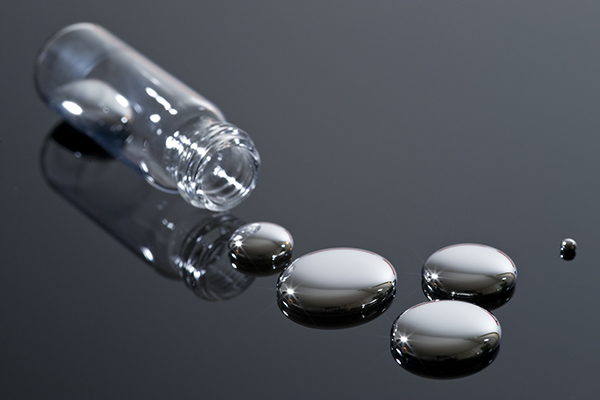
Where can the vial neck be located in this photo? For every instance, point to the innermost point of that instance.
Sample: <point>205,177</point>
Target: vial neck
<point>214,163</point>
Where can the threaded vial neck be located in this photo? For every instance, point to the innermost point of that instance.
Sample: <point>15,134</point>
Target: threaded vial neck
<point>217,165</point>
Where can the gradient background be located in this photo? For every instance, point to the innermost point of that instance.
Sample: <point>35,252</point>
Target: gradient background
<point>395,126</point>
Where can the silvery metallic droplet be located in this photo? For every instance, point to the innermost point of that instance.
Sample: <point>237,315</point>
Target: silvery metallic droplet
<point>470,272</point>
<point>568,249</point>
<point>336,288</point>
<point>445,339</point>
<point>260,248</point>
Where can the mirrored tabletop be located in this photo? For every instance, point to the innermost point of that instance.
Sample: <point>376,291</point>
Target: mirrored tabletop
<point>387,131</point>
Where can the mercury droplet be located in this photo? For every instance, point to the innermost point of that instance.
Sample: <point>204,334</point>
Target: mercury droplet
<point>260,248</point>
<point>336,288</point>
<point>567,249</point>
<point>445,339</point>
<point>475,273</point>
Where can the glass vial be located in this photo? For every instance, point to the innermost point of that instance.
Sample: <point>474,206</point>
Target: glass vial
<point>140,114</point>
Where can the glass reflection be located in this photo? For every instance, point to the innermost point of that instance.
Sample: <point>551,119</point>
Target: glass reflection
<point>336,288</point>
<point>470,272</point>
<point>179,241</point>
<point>445,339</point>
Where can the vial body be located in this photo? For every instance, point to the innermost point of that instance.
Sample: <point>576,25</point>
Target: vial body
<point>143,116</point>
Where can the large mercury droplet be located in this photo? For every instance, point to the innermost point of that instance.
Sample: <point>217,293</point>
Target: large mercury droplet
<point>445,339</point>
<point>336,288</point>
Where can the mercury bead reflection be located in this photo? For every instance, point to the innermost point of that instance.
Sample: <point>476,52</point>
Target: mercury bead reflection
<point>336,288</point>
<point>445,339</point>
<point>568,249</point>
<point>475,273</point>
<point>260,248</point>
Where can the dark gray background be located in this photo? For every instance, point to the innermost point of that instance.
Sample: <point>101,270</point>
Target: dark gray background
<point>394,126</point>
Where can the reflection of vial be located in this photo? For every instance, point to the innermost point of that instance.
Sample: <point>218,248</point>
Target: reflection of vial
<point>175,138</point>
<point>176,239</point>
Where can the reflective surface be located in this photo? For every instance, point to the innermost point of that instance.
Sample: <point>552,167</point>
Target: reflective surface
<point>204,264</point>
<point>397,127</point>
<point>568,249</point>
<point>176,239</point>
<point>336,288</point>
<point>445,339</point>
<point>260,248</point>
<point>470,272</point>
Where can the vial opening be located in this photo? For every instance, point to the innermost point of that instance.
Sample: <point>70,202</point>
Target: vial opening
<point>227,177</point>
<point>218,166</point>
